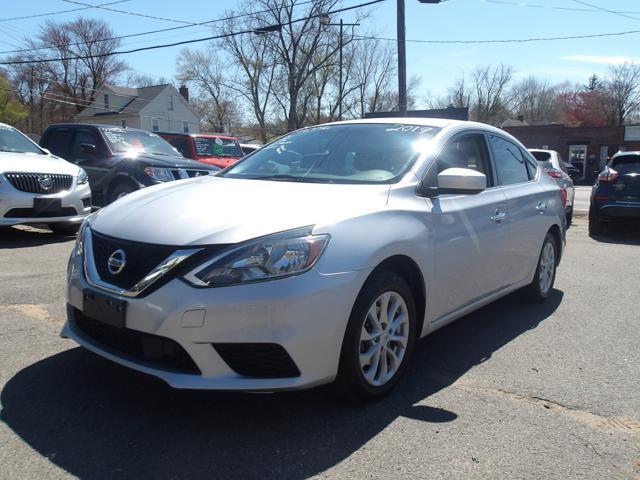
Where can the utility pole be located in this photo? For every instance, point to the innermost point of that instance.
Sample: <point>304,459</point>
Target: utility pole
<point>402,61</point>
<point>402,57</point>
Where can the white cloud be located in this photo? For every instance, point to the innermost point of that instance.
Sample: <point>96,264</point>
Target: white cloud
<point>601,59</point>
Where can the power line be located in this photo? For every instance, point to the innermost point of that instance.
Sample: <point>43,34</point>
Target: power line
<point>74,2</point>
<point>620,14</point>
<point>511,40</point>
<point>61,11</point>
<point>186,42</point>
<point>551,7</point>
<point>161,30</point>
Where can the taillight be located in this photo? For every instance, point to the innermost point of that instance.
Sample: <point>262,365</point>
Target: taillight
<point>553,172</point>
<point>608,175</point>
<point>563,193</point>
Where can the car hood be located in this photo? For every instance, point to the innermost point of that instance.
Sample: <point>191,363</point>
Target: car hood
<point>32,163</point>
<point>215,210</point>
<point>168,162</point>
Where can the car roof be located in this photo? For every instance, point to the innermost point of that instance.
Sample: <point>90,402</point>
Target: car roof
<point>207,135</point>
<point>100,126</point>
<point>620,154</point>
<point>541,150</point>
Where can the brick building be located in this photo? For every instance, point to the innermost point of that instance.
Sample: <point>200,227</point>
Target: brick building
<point>588,148</point>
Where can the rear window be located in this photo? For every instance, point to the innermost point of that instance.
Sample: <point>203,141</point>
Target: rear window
<point>626,164</point>
<point>219,147</point>
<point>541,156</point>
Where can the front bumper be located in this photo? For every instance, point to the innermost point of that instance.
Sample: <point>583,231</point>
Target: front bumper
<point>16,207</point>
<point>306,315</point>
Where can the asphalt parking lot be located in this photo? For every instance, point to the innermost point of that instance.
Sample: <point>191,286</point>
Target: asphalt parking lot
<point>514,390</point>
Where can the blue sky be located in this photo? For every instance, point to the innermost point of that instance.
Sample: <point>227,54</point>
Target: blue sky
<point>438,64</point>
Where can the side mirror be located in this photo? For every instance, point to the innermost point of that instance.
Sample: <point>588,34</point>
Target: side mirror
<point>88,148</point>
<point>462,181</point>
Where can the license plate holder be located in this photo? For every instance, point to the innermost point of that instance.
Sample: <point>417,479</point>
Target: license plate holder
<point>47,205</point>
<point>104,308</point>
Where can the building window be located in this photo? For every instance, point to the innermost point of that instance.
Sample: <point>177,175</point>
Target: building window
<point>185,127</point>
<point>124,123</point>
<point>106,101</point>
<point>155,125</point>
<point>170,102</point>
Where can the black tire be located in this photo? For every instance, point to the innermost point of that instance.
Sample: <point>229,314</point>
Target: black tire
<point>351,379</point>
<point>64,228</point>
<point>595,224</point>
<point>120,190</point>
<point>535,290</point>
<point>569,217</point>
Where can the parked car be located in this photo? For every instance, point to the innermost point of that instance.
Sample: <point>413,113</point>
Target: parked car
<point>214,149</point>
<point>339,246</point>
<point>616,194</point>
<point>119,160</point>
<point>37,187</point>
<point>552,163</point>
<point>573,172</point>
<point>248,148</point>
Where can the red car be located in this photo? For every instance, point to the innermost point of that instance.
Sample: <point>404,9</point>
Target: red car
<point>212,148</point>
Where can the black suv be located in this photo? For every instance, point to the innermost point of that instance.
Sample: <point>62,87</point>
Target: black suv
<point>616,193</point>
<point>118,160</point>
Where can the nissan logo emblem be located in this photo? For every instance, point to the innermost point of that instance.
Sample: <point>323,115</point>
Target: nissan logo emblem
<point>116,262</point>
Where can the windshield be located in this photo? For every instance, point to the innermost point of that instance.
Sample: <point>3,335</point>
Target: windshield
<point>217,147</point>
<point>11,140</point>
<point>137,141</point>
<point>347,153</point>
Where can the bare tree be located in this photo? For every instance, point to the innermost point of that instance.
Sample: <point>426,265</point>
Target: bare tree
<point>374,72</point>
<point>534,100</point>
<point>490,92</point>
<point>204,70</point>
<point>623,88</point>
<point>255,68</point>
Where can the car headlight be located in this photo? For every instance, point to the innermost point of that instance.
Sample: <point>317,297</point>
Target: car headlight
<point>267,258</point>
<point>82,177</point>
<point>160,174</point>
<point>79,247</point>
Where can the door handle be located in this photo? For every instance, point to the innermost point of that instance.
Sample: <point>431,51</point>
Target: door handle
<point>499,216</point>
<point>541,207</point>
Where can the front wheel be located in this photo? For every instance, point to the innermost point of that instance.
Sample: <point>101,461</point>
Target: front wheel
<point>379,339</point>
<point>540,287</point>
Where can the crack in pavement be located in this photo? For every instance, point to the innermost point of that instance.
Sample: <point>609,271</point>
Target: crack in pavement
<point>617,424</point>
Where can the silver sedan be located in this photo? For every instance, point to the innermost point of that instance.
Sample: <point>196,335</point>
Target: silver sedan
<point>37,187</point>
<point>338,247</point>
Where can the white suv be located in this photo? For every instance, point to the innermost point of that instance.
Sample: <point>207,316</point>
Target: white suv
<point>37,187</point>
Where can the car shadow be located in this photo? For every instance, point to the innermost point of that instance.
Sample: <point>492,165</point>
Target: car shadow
<point>623,233</point>
<point>11,237</point>
<point>95,419</point>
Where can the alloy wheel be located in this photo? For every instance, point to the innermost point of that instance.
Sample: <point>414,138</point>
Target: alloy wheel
<point>384,338</point>
<point>547,267</point>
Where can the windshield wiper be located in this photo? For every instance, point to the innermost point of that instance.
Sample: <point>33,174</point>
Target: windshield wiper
<point>290,178</point>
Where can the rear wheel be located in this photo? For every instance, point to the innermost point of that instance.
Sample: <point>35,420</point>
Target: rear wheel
<point>569,217</point>
<point>540,287</point>
<point>595,224</point>
<point>379,339</point>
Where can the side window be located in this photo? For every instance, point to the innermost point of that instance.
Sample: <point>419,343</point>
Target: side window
<point>509,162</point>
<point>58,142</point>
<point>83,136</point>
<point>466,151</point>
<point>180,144</point>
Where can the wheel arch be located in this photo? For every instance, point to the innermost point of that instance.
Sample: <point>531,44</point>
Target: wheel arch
<point>119,180</point>
<point>557,236</point>
<point>409,270</point>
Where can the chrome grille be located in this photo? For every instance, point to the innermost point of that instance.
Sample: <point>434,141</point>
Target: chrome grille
<point>44,183</point>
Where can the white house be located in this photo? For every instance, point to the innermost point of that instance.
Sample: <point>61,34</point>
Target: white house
<point>159,108</point>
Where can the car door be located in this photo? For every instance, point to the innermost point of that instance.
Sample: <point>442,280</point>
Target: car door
<point>93,161</point>
<point>517,174</point>
<point>471,232</point>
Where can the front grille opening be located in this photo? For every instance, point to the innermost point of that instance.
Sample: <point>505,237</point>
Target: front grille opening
<point>31,213</point>
<point>141,258</point>
<point>258,360</point>
<point>45,183</point>
<point>151,350</point>
<point>86,202</point>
